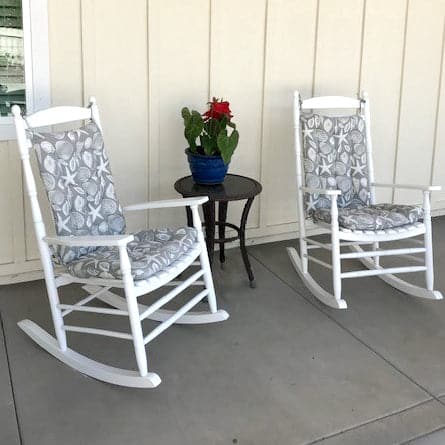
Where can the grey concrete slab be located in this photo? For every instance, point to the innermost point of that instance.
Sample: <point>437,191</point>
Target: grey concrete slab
<point>395,429</point>
<point>8,424</point>
<point>278,371</point>
<point>407,331</point>
<point>435,438</point>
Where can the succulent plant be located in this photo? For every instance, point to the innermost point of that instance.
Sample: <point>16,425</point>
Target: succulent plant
<point>211,129</point>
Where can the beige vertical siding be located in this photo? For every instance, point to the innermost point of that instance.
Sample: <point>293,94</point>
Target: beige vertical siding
<point>146,59</point>
<point>420,93</point>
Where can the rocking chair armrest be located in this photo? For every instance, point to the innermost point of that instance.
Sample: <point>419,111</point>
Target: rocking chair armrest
<point>424,188</point>
<point>89,241</point>
<point>168,203</point>
<point>328,192</point>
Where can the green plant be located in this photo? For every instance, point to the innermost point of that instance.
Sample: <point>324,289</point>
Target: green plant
<point>211,129</point>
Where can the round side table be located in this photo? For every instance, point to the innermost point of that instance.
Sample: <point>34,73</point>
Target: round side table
<point>234,188</point>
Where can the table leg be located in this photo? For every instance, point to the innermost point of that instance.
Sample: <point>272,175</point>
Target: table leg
<point>209,220</point>
<point>222,216</point>
<point>189,216</point>
<point>242,240</point>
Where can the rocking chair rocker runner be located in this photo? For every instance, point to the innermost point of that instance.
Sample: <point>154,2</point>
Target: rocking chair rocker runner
<point>335,186</point>
<point>91,246</point>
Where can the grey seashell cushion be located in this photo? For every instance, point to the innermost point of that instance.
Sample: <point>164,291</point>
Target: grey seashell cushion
<point>150,252</point>
<point>335,157</point>
<point>373,217</point>
<point>76,173</point>
<point>334,151</point>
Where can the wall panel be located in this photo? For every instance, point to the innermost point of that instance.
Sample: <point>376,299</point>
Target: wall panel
<point>338,56</point>
<point>438,167</point>
<point>116,73</point>
<point>179,76</point>
<point>15,211</point>
<point>420,87</point>
<point>289,65</point>
<point>32,251</point>
<point>65,52</point>
<point>236,74</point>
<point>6,199</point>
<point>381,74</point>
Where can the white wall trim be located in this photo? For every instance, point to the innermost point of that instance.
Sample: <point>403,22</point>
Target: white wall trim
<point>36,51</point>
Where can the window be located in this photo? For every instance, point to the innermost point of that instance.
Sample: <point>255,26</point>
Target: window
<point>12,57</point>
<point>24,61</point>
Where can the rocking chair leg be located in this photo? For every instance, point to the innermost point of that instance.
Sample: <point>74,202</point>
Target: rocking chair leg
<point>53,296</point>
<point>56,314</point>
<point>428,239</point>
<point>133,313</point>
<point>376,259</point>
<point>302,235</point>
<point>303,253</point>
<point>138,338</point>
<point>336,271</point>
<point>336,261</point>
<point>205,263</point>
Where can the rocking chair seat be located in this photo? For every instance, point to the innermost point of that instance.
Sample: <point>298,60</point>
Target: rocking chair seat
<point>372,217</point>
<point>149,253</point>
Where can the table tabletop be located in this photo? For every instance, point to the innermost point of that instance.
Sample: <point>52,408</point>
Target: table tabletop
<point>234,188</point>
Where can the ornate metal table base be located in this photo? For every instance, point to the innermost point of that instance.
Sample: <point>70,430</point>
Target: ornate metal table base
<point>234,188</point>
<point>210,223</point>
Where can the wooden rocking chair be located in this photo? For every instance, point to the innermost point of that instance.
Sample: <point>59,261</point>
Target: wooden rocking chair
<point>91,246</point>
<point>336,188</point>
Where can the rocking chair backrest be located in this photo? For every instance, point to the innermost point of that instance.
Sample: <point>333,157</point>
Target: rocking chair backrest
<point>75,172</point>
<point>333,152</point>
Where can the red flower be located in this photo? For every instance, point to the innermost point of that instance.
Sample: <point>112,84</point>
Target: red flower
<point>217,109</point>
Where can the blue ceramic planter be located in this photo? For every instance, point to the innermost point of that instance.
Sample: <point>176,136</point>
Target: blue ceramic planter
<point>206,169</point>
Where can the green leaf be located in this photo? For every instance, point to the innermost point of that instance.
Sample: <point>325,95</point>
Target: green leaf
<point>193,126</point>
<point>227,144</point>
<point>185,113</point>
<point>207,145</point>
<point>192,144</point>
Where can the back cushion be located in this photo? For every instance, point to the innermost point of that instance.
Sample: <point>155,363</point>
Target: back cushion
<point>334,151</point>
<point>76,173</point>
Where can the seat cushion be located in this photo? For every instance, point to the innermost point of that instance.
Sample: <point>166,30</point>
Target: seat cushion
<point>150,252</point>
<point>373,217</point>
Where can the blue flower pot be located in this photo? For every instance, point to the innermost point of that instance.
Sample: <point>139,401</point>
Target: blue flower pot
<point>209,170</point>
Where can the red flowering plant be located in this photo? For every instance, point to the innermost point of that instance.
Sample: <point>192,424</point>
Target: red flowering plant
<point>212,130</point>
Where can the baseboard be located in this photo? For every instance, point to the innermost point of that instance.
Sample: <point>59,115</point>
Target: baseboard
<point>437,212</point>
<point>21,277</point>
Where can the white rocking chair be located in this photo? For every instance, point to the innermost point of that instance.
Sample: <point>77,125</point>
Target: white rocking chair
<point>92,248</point>
<point>335,186</point>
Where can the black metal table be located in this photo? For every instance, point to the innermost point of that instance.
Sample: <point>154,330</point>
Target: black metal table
<point>234,188</point>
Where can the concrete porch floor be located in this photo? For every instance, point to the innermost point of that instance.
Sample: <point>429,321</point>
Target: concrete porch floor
<point>284,369</point>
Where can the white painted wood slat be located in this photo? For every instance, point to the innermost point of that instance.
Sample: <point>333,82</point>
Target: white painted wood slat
<point>420,86</point>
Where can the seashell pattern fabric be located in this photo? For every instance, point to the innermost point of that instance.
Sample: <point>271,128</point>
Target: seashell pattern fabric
<point>150,252</point>
<point>373,217</point>
<point>335,157</point>
<point>76,173</point>
<point>334,150</point>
